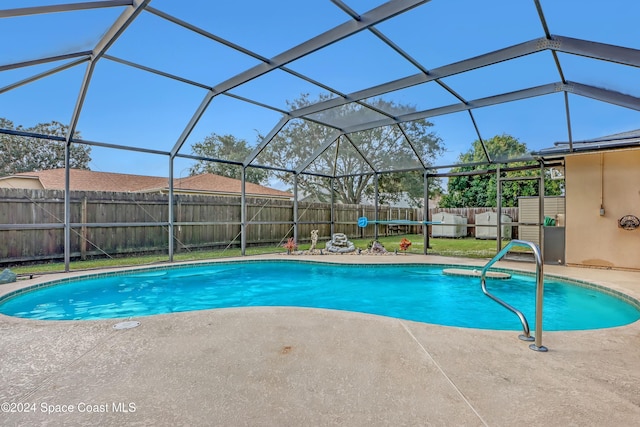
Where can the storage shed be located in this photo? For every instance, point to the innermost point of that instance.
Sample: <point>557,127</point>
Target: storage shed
<point>487,226</point>
<point>450,225</point>
<point>528,208</point>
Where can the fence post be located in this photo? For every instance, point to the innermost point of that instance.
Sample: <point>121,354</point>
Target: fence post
<point>499,211</point>
<point>83,230</point>
<point>333,213</point>
<point>295,207</point>
<point>67,208</point>
<point>376,218</point>
<point>178,218</point>
<point>425,214</point>
<point>170,234</point>
<point>243,212</point>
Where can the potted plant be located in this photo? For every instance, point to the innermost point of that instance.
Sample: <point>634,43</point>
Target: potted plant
<point>405,244</point>
<point>290,245</point>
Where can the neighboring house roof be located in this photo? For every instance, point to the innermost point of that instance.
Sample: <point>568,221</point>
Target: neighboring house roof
<point>86,180</point>
<point>222,184</point>
<point>609,142</point>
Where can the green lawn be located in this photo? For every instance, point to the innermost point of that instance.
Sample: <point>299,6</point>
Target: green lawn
<point>467,247</point>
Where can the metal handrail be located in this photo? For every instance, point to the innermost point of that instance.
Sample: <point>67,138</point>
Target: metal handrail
<point>525,336</point>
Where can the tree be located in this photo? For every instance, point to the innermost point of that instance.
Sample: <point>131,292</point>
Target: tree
<point>393,186</point>
<point>26,154</point>
<point>481,190</point>
<point>226,147</point>
<point>384,148</point>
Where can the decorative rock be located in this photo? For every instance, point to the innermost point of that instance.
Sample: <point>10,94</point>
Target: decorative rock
<point>377,248</point>
<point>339,243</point>
<point>7,276</point>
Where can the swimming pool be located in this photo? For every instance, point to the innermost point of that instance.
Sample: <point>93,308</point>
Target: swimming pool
<point>408,291</point>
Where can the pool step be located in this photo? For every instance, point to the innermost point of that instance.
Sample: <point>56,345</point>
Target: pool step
<point>475,273</point>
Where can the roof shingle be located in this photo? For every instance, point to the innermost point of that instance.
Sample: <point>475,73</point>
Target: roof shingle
<point>86,180</point>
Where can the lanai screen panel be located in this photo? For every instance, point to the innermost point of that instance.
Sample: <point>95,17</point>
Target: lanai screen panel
<point>228,116</point>
<point>138,109</point>
<point>160,76</point>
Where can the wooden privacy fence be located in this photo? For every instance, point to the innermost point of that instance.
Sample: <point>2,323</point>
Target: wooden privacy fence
<point>110,223</point>
<point>113,223</point>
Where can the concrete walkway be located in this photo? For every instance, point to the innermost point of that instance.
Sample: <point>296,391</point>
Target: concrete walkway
<point>296,366</point>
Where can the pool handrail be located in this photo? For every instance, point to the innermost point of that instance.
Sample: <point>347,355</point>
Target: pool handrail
<point>525,336</point>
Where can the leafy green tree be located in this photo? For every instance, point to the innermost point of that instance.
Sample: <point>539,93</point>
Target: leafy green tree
<point>226,147</point>
<point>481,190</point>
<point>385,148</point>
<point>26,154</point>
<point>393,186</point>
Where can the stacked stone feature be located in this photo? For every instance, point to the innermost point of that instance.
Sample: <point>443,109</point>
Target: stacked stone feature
<point>339,244</point>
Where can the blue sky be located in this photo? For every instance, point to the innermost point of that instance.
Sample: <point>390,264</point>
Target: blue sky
<point>129,107</point>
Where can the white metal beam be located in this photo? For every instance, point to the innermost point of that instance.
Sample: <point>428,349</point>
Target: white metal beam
<point>373,17</point>
<point>43,74</point>
<point>491,58</point>
<point>355,147</point>
<point>321,149</point>
<point>605,52</point>
<point>192,123</point>
<point>120,25</point>
<point>86,54</point>
<point>38,10</point>
<point>600,94</point>
<point>455,108</point>
<point>604,95</point>
<point>267,139</point>
<point>602,51</point>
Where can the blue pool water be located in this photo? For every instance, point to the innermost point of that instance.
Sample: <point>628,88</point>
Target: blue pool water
<point>413,292</point>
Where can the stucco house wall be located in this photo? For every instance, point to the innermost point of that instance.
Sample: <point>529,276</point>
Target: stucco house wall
<point>18,182</point>
<point>611,181</point>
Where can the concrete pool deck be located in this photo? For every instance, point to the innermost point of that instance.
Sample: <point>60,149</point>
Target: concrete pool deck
<point>297,366</point>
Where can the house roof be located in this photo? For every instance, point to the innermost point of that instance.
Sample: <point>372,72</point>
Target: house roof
<point>222,184</point>
<point>87,180</point>
<point>609,142</point>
